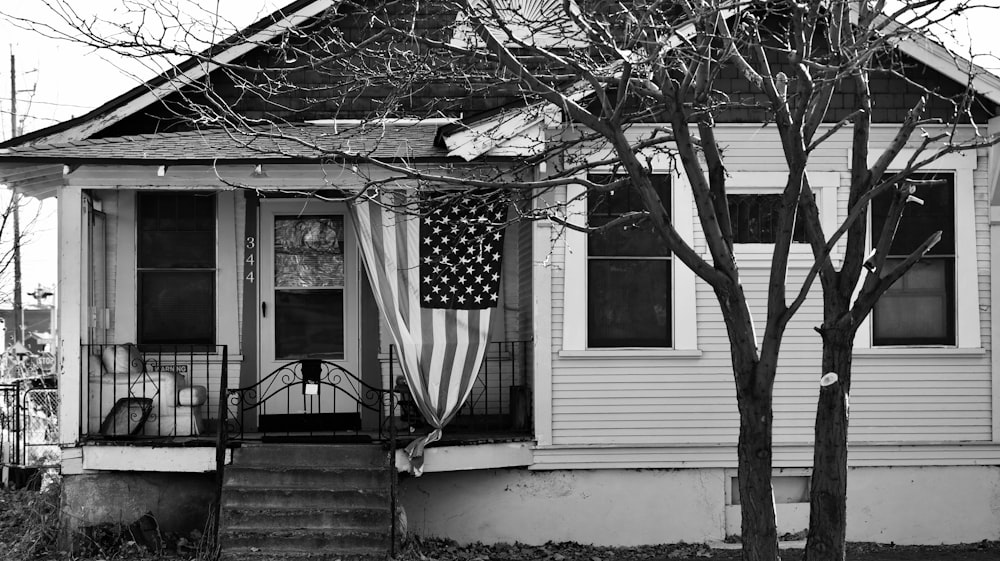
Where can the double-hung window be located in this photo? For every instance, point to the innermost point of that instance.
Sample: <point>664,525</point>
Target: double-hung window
<point>937,303</point>
<point>919,309</point>
<point>621,293</point>
<point>629,272</point>
<point>176,268</point>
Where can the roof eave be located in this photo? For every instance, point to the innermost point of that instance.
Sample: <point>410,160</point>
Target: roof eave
<point>177,77</point>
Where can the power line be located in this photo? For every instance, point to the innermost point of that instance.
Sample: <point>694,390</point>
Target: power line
<point>70,105</point>
<point>54,120</point>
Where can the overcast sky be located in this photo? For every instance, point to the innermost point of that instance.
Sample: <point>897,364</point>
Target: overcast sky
<point>57,80</point>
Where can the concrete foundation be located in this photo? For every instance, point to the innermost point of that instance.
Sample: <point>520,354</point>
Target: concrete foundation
<point>179,502</point>
<point>604,507</point>
<point>905,505</point>
<point>924,505</point>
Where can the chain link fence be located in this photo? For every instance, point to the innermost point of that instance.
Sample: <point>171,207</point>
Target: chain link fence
<point>41,427</point>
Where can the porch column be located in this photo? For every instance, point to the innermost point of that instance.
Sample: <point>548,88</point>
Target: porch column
<point>993,176</point>
<point>541,316</point>
<point>71,311</point>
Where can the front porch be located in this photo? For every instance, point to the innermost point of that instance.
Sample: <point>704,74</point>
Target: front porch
<point>256,300</point>
<point>191,341</point>
<point>170,397</point>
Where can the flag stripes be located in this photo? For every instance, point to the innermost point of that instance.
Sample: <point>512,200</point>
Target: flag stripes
<point>440,349</point>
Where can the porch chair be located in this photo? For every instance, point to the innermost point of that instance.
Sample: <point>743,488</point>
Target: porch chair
<point>119,380</point>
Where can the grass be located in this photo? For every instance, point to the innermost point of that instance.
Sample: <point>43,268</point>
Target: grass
<point>28,523</point>
<point>29,529</point>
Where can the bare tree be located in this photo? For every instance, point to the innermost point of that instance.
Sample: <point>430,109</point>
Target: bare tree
<point>31,221</point>
<point>596,70</point>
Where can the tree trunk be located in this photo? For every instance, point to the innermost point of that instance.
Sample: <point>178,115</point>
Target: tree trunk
<point>828,492</point>
<point>758,530</point>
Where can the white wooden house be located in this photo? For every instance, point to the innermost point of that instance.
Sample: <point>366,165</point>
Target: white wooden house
<point>172,241</point>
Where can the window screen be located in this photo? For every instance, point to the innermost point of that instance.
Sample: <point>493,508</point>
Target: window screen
<point>628,273</point>
<point>176,268</point>
<point>919,309</point>
<point>754,218</point>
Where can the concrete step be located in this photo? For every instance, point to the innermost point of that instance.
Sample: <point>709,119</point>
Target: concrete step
<point>373,520</point>
<point>288,501</point>
<point>306,478</point>
<point>311,455</point>
<point>258,498</point>
<point>303,542</point>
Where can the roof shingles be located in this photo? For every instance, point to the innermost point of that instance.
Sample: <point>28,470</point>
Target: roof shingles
<point>300,142</point>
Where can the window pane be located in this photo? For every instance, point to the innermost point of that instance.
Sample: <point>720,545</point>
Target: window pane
<point>309,252</point>
<point>176,230</point>
<point>754,218</point>
<point>920,221</point>
<point>624,239</point>
<point>919,308</point>
<point>309,324</point>
<point>629,303</point>
<point>177,307</point>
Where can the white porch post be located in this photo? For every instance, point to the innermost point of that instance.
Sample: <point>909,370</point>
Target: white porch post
<point>541,314</point>
<point>994,179</point>
<point>71,312</point>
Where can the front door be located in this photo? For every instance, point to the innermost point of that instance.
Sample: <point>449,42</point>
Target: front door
<point>309,280</point>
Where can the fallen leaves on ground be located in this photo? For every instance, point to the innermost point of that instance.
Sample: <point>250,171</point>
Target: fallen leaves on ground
<point>433,549</point>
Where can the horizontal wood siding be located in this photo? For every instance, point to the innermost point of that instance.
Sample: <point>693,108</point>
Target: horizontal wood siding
<point>786,456</point>
<point>604,404</point>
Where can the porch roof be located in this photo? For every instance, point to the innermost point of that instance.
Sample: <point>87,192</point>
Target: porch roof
<point>386,141</point>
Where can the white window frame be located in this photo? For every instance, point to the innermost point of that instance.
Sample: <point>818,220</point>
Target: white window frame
<point>967,329</point>
<point>685,313</point>
<point>824,186</point>
<point>126,294</point>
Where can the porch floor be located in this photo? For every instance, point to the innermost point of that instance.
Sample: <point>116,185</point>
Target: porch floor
<point>450,438</point>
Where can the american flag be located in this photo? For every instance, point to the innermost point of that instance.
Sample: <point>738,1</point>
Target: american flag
<point>460,248</point>
<point>437,281</point>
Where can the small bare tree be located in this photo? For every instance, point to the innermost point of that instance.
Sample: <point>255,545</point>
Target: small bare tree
<point>802,68</point>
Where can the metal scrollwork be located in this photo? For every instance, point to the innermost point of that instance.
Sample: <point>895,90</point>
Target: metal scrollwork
<point>289,383</point>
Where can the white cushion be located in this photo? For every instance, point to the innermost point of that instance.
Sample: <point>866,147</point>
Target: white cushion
<point>122,360</point>
<point>95,367</point>
<point>192,395</point>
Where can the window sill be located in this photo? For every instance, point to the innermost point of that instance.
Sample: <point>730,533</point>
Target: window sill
<point>921,351</point>
<point>630,353</point>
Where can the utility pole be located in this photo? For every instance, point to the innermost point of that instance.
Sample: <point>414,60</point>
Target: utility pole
<point>15,202</point>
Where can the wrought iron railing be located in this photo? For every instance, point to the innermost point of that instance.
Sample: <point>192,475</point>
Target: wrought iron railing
<point>307,398</point>
<point>500,400</point>
<point>157,392</point>
<point>11,434</point>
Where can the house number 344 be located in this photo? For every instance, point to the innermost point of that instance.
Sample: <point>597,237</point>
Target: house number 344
<point>251,261</point>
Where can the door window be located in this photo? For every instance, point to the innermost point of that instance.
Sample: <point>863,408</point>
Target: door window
<point>309,287</point>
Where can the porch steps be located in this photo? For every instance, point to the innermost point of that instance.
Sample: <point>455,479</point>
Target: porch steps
<point>306,500</point>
